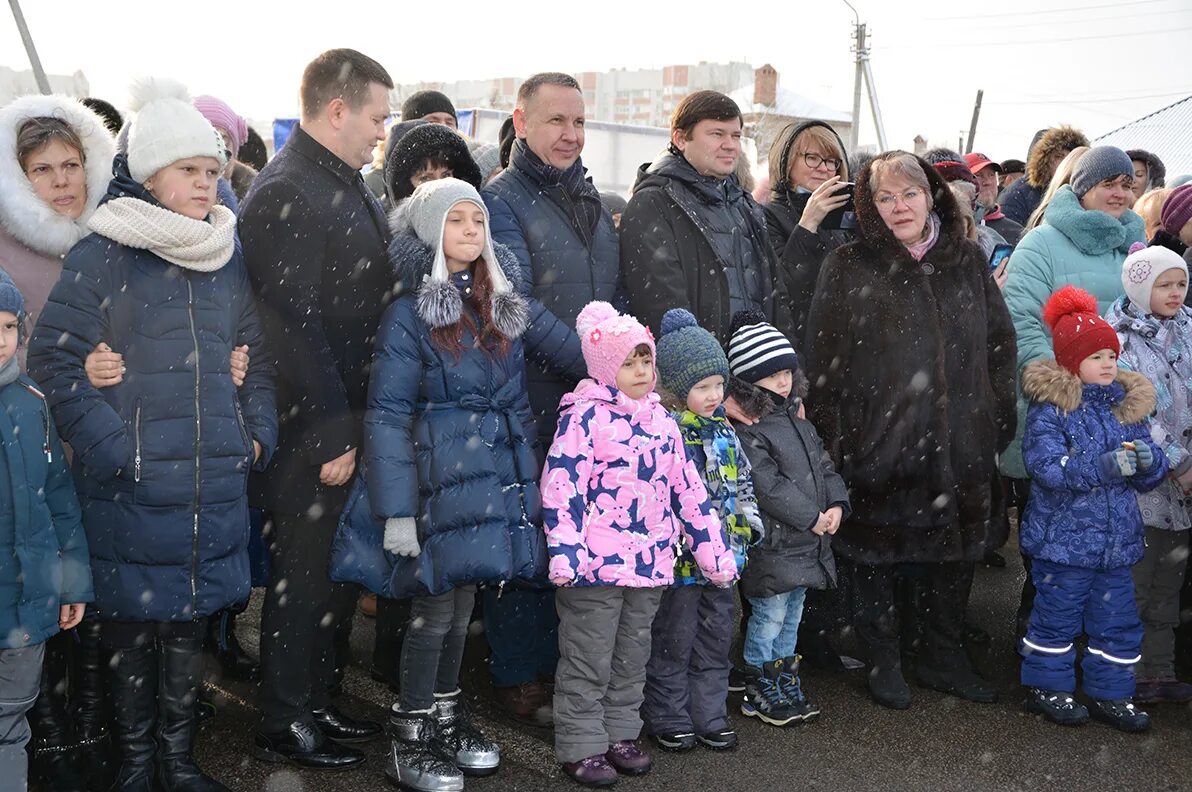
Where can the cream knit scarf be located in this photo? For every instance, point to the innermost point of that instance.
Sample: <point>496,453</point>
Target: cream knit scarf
<point>200,245</point>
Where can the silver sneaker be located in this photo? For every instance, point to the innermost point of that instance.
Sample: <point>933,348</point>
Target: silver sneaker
<point>417,760</point>
<point>475,754</point>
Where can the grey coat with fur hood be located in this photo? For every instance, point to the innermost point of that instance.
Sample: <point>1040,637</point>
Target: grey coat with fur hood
<point>794,481</point>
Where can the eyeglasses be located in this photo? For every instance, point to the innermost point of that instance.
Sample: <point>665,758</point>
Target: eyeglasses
<point>890,200</point>
<point>813,161</point>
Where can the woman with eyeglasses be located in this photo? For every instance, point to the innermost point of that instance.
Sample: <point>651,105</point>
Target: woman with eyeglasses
<point>911,363</point>
<point>808,173</point>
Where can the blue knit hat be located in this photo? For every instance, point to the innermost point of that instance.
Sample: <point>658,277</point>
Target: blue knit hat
<point>756,349</point>
<point>687,353</point>
<point>1097,165</point>
<point>12,302</point>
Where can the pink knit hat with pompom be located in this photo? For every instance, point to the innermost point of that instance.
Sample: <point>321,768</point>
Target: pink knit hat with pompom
<point>608,338</point>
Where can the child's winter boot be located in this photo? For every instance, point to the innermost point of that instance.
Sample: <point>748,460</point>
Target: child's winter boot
<point>417,760</point>
<point>628,758</point>
<point>764,698</point>
<point>792,688</point>
<point>595,771</point>
<point>475,754</point>
<point>720,740</point>
<point>1056,706</point>
<point>1121,714</point>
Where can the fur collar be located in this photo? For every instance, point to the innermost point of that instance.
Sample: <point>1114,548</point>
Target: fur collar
<point>1048,382</point>
<point>758,402</point>
<point>1092,232</point>
<point>439,302</point>
<point>29,219</point>
<point>1053,141</point>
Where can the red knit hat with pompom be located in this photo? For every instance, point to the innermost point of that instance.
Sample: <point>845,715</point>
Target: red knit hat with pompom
<point>1076,330</point>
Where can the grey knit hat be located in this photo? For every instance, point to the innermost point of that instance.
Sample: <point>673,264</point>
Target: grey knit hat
<point>425,213</point>
<point>1097,165</point>
<point>687,353</point>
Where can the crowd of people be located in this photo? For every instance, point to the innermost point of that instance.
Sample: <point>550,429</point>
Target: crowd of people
<point>452,375</point>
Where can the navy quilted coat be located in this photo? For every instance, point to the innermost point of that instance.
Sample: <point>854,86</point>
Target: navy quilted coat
<point>161,459</point>
<point>1077,515</point>
<point>449,442</point>
<point>560,273</point>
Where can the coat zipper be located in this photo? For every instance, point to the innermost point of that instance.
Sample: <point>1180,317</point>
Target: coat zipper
<point>194,536</point>
<point>136,460</point>
<point>243,429</point>
<point>589,246</point>
<point>45,422</point>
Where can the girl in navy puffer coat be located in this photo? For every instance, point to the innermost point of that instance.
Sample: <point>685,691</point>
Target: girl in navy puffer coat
<point>162,458</point>
<point>449,483</point>
<point>1089,451</point>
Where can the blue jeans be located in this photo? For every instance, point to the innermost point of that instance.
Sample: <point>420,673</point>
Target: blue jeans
<point>773,629</point>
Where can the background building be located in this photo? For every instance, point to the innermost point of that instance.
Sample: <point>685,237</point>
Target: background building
<point>15,83</point>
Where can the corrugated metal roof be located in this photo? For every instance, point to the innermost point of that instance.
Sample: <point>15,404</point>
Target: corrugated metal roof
<point>1166,133</point>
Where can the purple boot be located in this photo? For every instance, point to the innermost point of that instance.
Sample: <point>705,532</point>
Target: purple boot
<point>595,771</point>
<point>628,757</point>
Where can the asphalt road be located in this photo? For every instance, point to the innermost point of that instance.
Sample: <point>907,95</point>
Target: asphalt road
<point>941,743</point>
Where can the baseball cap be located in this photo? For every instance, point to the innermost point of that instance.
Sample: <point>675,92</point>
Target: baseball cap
<point>1013,166</point>
<point>979,162</point>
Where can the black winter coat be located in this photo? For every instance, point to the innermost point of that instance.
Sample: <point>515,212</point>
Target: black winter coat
<point>162,459</point>
<point>694,242</point>
<point>912,388</point>
<point>800,253</point>
<point>560,274</point>
<point>449,442</point>
<point>314,242</point>
<point>794,481</point>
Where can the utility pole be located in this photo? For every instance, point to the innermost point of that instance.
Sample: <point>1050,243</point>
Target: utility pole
<point>973,126</point>
<point>863,72</point>
<point>859,47</point>
<point>39,74</point>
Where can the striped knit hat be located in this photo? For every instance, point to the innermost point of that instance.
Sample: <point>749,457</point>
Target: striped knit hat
<point>756,349</point>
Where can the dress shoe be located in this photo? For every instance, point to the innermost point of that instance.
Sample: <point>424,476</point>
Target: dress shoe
<point>342,728</point>
<point>302,744</point>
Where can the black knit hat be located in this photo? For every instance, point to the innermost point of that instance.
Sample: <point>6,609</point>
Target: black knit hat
<point>756,349</point>
<point>1013,166</point>
<point>423,103</point>
<point>415,147</point>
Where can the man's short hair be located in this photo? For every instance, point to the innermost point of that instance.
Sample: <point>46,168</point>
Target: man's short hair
<point>340,73</point>
<point>530,87</point>
<point>702,106</point>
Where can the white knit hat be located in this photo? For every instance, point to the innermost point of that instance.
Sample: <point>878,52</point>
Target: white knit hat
<point>166,128</point>
<point>1143,267</point>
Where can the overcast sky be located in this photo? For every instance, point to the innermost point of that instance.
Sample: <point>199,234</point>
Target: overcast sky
<point>1041,62</point>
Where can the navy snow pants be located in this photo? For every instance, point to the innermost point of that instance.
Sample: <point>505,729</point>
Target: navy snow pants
<point>1071,601</point>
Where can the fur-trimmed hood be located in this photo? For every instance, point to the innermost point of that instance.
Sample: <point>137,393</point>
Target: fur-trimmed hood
<point>439,302</point>
<point>1038,166</point>
<point>1132,394</point>
<point>758,402</point>
<point>873,232</point>
<point>28,218</point>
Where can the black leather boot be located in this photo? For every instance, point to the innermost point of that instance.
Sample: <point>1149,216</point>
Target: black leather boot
<point>132,680</point>
<point>181,664</point>
<point>53,751</point>
<point>223,645</point>
<point>92,709</point>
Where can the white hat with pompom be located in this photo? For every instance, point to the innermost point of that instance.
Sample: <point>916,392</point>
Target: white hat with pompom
<point>166,128</point>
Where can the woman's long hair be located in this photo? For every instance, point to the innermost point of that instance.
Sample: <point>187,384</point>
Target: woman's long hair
<point>1063,175</point>
<point>488,337</point>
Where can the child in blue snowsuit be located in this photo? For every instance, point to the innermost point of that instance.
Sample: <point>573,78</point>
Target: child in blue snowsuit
<point>1089,452</point>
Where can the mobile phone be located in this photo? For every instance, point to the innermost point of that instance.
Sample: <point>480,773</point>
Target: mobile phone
<point>845,216</point>
<point>1000,253</point>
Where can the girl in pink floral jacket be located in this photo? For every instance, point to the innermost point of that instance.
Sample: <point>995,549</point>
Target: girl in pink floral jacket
<point>616,492</point>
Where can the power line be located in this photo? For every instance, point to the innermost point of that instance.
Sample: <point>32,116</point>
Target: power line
<point>1035,41</point>
<point>999,28</point>
<point>1049,10</point>
<point>1075,99</point>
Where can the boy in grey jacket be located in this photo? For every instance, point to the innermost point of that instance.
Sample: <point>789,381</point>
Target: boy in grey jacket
<point>803,502</point>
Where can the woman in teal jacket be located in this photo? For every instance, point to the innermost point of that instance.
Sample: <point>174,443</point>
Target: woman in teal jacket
<point>1085,236</point>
